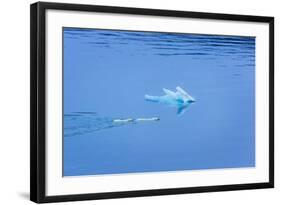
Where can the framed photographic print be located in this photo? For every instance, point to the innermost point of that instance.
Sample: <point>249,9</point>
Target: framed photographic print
<point>129,102</point>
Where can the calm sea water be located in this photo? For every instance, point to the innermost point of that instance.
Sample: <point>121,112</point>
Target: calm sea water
<point>106,75</point>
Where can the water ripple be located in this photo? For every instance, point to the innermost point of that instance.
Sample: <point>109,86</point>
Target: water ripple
<point>179,45</point>
<point>79,123</point>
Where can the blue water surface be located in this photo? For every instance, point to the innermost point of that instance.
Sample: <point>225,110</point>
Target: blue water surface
<point>108,72</point>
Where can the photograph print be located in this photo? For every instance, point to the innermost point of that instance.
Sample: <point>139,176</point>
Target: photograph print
<point>137,102</point>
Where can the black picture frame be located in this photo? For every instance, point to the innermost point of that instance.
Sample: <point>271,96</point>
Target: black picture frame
<point>38,101</point>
